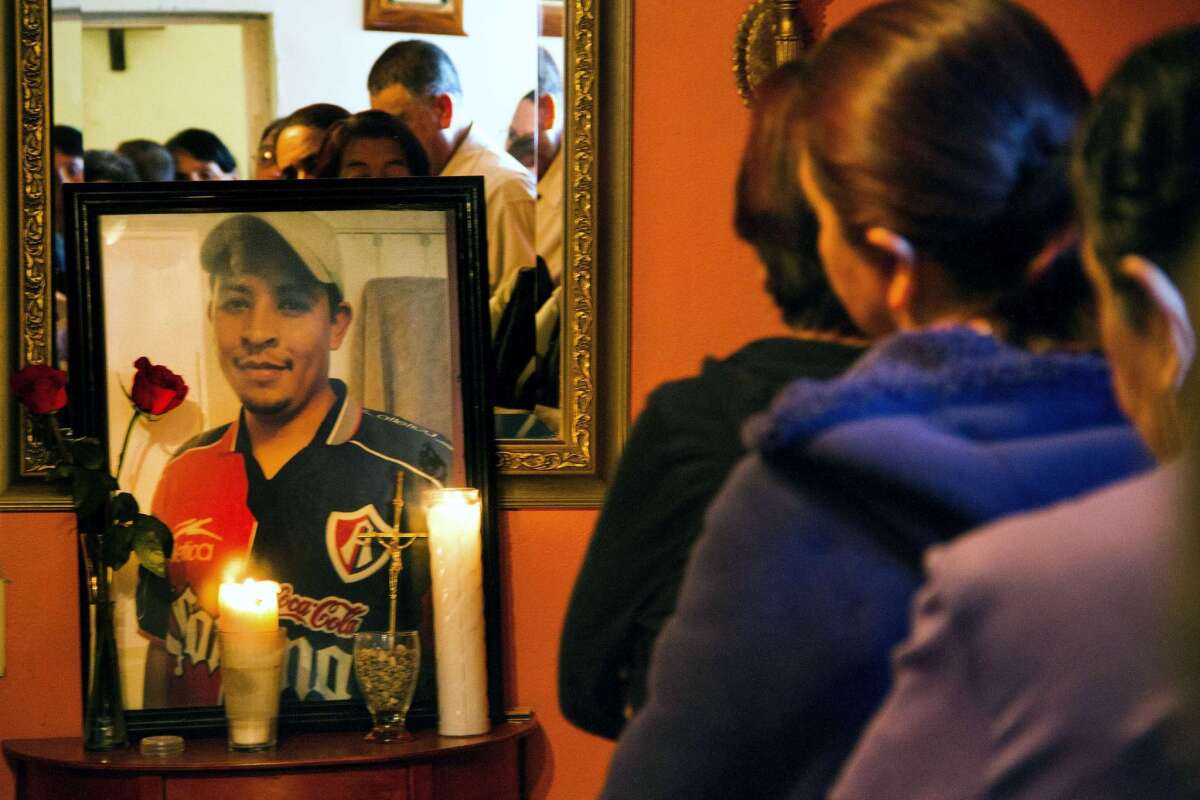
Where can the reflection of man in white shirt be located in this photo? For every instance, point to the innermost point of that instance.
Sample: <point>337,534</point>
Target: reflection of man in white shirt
<point>546,129</point>
<point>550,220</point>
<point>417,81</point>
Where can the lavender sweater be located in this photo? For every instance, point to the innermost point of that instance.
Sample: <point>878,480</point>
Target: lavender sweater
<point>1036,665</point>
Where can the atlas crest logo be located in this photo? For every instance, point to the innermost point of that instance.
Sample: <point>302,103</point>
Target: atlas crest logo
<point>352,558</point>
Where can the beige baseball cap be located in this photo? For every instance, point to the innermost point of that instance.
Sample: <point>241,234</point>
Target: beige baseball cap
<point>240,240</point>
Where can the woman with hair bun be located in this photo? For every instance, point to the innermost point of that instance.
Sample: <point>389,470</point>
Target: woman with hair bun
<point>1039,662</point>
<point>933,147</point>
<point>201,156</point>
<point>371,144</point>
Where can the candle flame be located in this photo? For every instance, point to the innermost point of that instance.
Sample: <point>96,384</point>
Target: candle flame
<point>233,570</point>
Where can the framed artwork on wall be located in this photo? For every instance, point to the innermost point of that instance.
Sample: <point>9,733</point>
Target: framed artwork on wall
<point>415,16</point>
<point>359,306</point>
<point>553,13</point>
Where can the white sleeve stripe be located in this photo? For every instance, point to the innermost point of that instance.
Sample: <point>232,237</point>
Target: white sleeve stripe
<point>404,464</point>
<point>340,433</point>
<point>391,419</point>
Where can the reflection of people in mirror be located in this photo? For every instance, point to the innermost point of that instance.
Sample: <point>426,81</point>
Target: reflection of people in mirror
<point>68,168</point>
<point>152,161</point>
<point>301,137</point>
<point>550,164</point>
<point>105,166</point>
<point>201,156</point>
<point>520,143</point>
<point>371,144</point>
<point>417,81</point>
<point>68,157</point>
<point>290,485</point>
<point>265,166</point>
<point>526,307</point>
<point>535,139</point>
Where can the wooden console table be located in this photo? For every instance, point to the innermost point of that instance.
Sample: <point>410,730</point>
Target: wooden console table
<point>323,766</point>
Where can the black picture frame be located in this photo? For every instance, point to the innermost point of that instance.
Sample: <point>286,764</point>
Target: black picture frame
<point>460,202</point>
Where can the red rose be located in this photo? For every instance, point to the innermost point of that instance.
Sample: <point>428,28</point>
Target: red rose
<point>42,389</point>
<point>156,390</point>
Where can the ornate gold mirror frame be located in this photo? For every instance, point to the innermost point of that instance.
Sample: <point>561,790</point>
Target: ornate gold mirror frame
<point>571,471</point>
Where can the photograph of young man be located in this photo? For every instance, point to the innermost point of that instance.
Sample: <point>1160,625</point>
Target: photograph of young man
<point>286,490</point>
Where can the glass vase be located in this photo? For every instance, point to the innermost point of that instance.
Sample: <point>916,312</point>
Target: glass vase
<point>386,666</point>
<point>104,720</point>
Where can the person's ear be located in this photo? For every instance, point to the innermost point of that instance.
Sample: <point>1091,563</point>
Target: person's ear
<point>547,109</point>
<point>898,258</point>
<point>1171,329</point>
<point>443,109</point>
<point>342,315</point>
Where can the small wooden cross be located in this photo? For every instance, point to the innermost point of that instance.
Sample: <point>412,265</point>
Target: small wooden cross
<point>392,539</point>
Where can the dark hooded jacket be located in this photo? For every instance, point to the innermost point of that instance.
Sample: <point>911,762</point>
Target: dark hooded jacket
<point>679,453</point>
<point>800,583</point>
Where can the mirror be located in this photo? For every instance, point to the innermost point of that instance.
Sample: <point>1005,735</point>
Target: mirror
<point>566,470</point>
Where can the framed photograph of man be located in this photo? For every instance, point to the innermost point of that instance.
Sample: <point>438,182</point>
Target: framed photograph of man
<point>334,339</point>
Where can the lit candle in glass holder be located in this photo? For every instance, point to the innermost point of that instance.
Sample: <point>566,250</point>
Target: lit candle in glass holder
<point>252,645</point>
<point>456,563</point>
<point>249,606</point>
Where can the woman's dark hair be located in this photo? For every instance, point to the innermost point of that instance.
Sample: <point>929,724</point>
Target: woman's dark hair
<point>370,125</point>
<point>1137,164</point>
<point>1137,175</point>
<point>105,165</point>
<point>203,145</point>
<point>948,122</point>
<point>271,132</point>
<point>67,140</point>
<point>316,115</point>
<point>266,139</point>
<point>772,214</point>
<point>152,161</point>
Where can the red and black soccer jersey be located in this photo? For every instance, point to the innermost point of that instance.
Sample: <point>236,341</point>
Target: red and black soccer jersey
<point>301,529</point>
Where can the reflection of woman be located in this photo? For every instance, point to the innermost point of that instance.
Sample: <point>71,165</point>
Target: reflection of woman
<point>301,137</point>
<point>371,144</point>
<point>265,168</point>
<point>932,149</point>
<point>201,156</point>
<point>687,439</point>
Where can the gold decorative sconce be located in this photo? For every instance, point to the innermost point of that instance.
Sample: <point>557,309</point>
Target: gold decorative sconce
<point>770,33</point>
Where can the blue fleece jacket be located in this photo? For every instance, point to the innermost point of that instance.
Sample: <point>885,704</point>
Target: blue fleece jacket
<point>800,583</point>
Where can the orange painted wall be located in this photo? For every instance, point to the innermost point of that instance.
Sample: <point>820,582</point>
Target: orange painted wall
<point>40,694</point>
<point>696,291</point>
<point>1098,33</point>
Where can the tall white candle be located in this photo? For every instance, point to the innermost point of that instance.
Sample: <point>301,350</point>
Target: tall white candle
<point>455,559</point>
